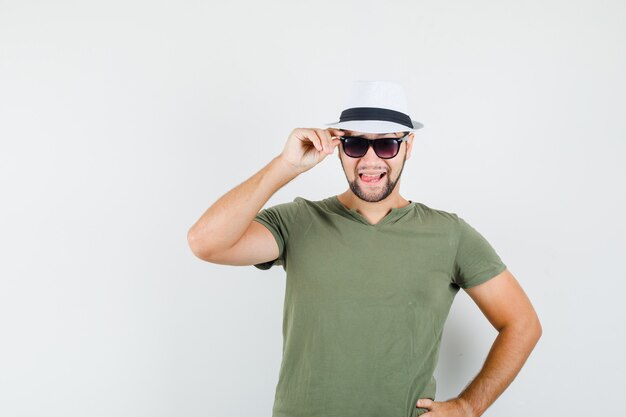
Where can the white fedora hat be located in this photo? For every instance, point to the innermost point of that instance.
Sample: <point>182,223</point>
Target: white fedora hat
<point>376,107</point>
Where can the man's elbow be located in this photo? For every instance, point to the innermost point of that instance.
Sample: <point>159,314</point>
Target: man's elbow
<point>535,330</point>
<point>196,246</point>
<point>530,326</point>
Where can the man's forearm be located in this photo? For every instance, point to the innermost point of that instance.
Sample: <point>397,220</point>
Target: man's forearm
<point>509,352</point>
<point>223,223</point>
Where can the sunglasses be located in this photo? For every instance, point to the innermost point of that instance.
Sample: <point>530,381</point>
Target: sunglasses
<point>385,148</point>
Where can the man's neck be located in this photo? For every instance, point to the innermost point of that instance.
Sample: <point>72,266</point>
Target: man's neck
<point>373,212</point>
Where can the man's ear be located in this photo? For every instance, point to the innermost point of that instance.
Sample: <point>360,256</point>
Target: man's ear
<point>409,146</point>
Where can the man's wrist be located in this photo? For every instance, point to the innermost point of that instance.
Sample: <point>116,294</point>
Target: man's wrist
<point>467,406</point>
<point>291,168</point>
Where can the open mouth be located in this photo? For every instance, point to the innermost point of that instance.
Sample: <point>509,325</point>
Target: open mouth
<point>372,179</point>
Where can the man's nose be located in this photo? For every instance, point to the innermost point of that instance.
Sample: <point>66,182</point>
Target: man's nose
<point>370,154</point>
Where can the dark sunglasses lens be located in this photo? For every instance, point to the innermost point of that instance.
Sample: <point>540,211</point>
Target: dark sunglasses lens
<point>355,147</point>
<point>386,148</point>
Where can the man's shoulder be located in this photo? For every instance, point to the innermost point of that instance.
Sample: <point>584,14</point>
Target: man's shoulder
<point>296,204</point>
<point>435,211</point>
<point>436,215</point>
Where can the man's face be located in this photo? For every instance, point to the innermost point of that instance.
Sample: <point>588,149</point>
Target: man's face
<point>368,187</point>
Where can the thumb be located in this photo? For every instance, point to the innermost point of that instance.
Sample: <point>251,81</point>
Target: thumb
<point>425,403</point>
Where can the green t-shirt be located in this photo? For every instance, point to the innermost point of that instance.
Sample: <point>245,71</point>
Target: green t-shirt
<point>365,304</point>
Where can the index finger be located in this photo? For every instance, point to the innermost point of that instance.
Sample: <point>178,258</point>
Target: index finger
<point>336,132</point>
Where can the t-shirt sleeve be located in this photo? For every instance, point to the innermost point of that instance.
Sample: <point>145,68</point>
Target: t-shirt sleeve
<point>476,260</point>
<point>280,220</point>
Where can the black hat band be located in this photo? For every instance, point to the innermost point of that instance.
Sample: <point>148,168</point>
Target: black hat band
<point>375,113</point>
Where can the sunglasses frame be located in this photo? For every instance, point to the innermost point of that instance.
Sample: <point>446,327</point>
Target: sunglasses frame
<point>370,142</point>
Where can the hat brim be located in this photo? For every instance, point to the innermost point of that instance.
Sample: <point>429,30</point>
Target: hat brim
<point>374,126</point>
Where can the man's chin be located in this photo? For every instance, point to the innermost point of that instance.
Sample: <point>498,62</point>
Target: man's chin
<point>371,196</point>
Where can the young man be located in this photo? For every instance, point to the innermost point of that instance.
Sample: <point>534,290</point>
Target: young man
<point>371,276</point>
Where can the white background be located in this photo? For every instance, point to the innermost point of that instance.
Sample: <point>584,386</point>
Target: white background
<point>122,121</point>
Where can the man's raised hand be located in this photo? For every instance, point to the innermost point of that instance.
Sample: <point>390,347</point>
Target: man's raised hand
<point>306,148</point>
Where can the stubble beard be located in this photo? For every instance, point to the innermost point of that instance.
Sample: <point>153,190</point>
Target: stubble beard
<point>374,196</point>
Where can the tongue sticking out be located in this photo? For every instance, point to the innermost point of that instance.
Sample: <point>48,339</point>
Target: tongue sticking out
<point>371,178</point>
